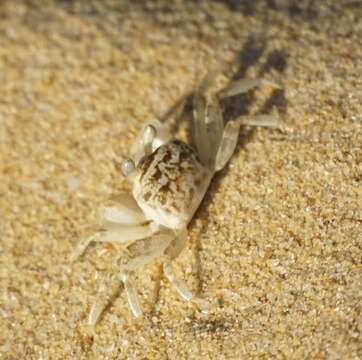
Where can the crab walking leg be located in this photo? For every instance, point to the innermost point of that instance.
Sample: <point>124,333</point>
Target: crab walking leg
<point>178,244</point>
<point>177,283</point>
<point>208,80</point>
<point>215,127</point>
<point>155,252</point>
<point>181,287</point>
<point>103,297</point>
<point>156,249</point>
<point>122,209</point>
<point>200,128</point>
<point>173,251</point>
<point>131,293</point>
<point>231,135</point>
<point>271,121</point>
<point>228,143</point>
<point>244,85</point>
<point>120,234</point>
<point>202,141</point>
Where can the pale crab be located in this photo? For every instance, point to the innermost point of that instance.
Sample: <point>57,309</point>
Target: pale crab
<point>169,180</point>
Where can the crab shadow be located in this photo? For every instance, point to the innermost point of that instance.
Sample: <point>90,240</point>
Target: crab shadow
<point>307,11</point>
<point>181,114</point>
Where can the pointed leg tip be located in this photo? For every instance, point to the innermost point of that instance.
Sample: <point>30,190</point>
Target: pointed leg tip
<point>202,304</point>
<point>271,83</point>
<point>94,315</point>
<point>75,255</point>
<point>138,315</point>
<point>72,259</point>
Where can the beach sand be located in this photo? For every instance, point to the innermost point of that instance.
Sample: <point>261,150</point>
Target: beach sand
<point>275,246</point>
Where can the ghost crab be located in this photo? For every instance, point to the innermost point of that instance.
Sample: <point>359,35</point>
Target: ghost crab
<point>169,180</point>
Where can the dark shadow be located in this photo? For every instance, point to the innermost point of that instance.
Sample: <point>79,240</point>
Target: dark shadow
<point>307,11</point>
<point>250,53</point>
<point>276,100</point>
<point>65,2</point>
<point>219,325</point>
<point>357,4</point>
<point>247,7</point>
<point>276,60</point>
<point>179,114</point>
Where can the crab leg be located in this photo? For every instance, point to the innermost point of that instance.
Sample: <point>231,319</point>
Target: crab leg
<point>231,134</point>
<point>104,298</point>
<point>181,287</point>
<point>271,121</point>
<point>132,296</point>
<point>202,122</point>
<point>120,234</point>
<point>201,138</point>
<point>154,252</point>
<point>244,85</point>
<point>215,127</point>
<point>231,131</point>
<point>177,283</point>
<point>155,249</point>
<point>122,209</point>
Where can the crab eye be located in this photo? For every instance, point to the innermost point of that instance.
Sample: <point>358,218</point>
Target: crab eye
<point>127,167</point>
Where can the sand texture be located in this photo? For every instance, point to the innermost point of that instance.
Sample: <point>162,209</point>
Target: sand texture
<point>275,246</point>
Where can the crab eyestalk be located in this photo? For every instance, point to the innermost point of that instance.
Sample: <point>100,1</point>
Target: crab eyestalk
<point>149,135</point>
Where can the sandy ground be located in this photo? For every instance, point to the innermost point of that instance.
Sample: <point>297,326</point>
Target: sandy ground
<point>275,246</point>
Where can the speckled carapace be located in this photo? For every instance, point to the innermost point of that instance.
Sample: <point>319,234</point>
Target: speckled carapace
<point>167,181</point>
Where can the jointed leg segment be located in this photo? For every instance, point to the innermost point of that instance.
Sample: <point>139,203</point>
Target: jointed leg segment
<point>178,284</point>
<point>231,134</point>
<point>216,144</point>
<point>155,249</point>
<point>163,242</point>
<point>120,234</point>
<point>131,293</point>
<point>122,222</point>
<point>244,85</point>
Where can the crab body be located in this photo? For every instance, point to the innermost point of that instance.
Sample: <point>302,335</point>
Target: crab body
<point>169,180</point>
<point>170,183</point>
